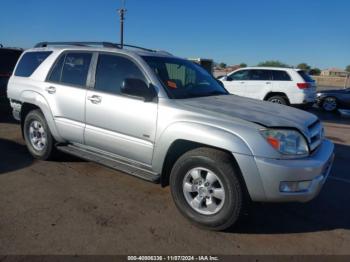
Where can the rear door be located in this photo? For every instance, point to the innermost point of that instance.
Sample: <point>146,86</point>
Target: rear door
<point>282,82</point>
<point>66,92</point>
<point>258,84</point>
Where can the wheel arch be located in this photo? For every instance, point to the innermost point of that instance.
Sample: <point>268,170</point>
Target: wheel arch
<point>180,147</point>
<point>272,93</point>
<point>182,137</point>
<point>31,101</point>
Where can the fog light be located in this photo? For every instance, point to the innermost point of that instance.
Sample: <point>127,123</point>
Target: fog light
<point>297,186</point>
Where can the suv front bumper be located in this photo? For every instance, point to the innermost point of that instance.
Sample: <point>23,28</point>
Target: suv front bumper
<point>312,170</point>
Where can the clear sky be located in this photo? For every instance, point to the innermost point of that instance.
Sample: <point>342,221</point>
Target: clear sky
<point>231,31</point>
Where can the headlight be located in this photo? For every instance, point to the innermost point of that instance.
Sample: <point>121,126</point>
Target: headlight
<point>287,142</point>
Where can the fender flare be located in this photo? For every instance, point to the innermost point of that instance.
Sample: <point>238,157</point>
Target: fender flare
<point>198,133</point>
<point>35,98</point>
<point>213,137</point>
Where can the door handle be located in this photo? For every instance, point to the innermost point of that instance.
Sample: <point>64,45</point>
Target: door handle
<point>268,83</point>
<point>242,82</point>
<point>51,89</point>
<point>95,99</point>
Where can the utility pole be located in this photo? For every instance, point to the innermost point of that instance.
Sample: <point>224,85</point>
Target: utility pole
<point>122,12</point>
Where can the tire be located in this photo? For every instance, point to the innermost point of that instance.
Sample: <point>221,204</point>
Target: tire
<point>278,100</point>
<point>203,161</point>
<point>329,104</point>
<point>35,128</point>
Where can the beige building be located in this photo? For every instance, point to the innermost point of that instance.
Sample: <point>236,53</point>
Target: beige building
<point>335,72</point>
<point>224,71</point>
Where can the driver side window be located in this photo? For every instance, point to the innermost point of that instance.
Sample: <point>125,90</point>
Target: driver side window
<point>111,72</point>
<point>240,75</point>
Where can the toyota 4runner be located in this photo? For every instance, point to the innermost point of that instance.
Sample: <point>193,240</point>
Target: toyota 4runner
<point>167,120</point>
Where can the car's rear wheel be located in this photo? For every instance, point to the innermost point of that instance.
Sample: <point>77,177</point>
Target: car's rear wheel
<point>329,104</point>
<point>278,100</point>
<point>37,135</point>
<point>206,188</point>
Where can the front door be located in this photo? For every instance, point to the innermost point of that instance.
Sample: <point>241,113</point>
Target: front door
<point>115,123</point>
<point>236,83</point>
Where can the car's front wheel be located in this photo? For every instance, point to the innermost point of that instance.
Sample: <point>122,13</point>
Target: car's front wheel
<point>329,104</point>
<point>37,135</point>
<point>206,188</point>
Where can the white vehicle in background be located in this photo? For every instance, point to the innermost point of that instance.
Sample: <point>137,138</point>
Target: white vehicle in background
<point>286,86</point>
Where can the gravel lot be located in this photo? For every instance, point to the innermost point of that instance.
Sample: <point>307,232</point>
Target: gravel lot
<point>75,207</point>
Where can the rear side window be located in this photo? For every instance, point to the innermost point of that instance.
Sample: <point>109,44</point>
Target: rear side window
<point>259,75</point>
<point>30,62</point>
<point>71,69</point>
<point>279,75</point>
<point>112,70</point>
<point>305,76</point>
<point>8,60</point>
<point>56,72</point>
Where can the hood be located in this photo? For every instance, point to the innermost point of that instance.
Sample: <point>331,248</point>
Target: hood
<point>260,112</point>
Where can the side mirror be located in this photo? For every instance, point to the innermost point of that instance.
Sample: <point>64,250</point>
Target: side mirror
<point>138,88</point>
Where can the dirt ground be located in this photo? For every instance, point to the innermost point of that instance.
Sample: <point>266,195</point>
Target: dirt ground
<point>71,206</point>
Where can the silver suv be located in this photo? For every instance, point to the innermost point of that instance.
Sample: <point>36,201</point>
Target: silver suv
<point>167,120</point>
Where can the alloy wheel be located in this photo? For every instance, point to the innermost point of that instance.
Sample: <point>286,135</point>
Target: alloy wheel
<point>37,135</point>
<point>203,191</point>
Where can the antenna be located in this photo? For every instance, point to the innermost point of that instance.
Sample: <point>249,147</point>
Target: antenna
<point>122,12</point>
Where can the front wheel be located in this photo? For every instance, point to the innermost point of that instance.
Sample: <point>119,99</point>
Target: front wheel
<point>206,188</point>
<point>37,135</point>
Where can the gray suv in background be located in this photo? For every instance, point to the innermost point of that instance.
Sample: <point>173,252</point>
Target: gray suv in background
<point>167,120</point>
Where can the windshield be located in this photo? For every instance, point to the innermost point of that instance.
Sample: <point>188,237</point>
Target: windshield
<point>183,78</point>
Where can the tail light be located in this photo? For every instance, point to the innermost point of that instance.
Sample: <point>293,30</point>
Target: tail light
<point>303,85</point>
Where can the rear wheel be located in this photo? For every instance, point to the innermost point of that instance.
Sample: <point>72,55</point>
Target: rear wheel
<point>278,100</point>
<point>206,188</point>
<point>37,135</point>
<point>329,104</point>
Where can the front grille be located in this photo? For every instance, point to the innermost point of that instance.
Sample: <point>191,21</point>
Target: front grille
<point>315,135</point>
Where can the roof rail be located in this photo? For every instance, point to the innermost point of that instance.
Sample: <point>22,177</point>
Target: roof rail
<point>139,47</point>
<point>104,44</point>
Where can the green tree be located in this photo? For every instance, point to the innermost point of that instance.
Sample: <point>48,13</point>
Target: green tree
<point>347,69</point>
<point>273,63</point>
<point>304,66</point>
<point>222,65</point>
<point>242,65</point>
<point>315,71</point>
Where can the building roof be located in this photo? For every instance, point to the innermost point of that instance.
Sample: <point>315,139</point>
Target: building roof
<point>334,69</point>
